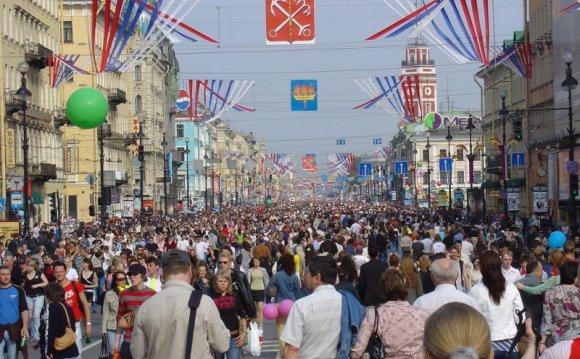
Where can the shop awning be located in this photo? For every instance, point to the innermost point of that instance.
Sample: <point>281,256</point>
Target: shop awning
<point>37,198</point>
<point>490,185</point>
<point>516,183</point>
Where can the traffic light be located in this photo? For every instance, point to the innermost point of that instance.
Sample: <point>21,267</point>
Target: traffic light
<point>141,153</point>
<point>52,200</point>
<point>92,210</point>
<point>574,185</point>
<point>518,133</point>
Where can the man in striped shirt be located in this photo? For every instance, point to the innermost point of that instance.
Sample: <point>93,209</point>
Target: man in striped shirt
<point>129,302</point>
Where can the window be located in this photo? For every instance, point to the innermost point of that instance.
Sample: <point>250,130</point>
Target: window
<point>477,177</point>
<point>477,155</point>
<point>138,73</point>
<point>412,59</point>
<point>180,154</point>
<point>426,155</point>
<point>460,177</point>
<point>442,153</point>
<point>138,104</point>
<point>443,177</point>
<point>460,154</point>
<point>179,130</point>
<point>424,59</point>
<point>67,31</point>
<point>425,180</point>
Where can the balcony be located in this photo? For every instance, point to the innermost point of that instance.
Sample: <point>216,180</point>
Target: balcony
<point>43,171</point>
<point>116,97</point>
<point>11,102</point>
<point>37,55</point>
<point>493,164</point>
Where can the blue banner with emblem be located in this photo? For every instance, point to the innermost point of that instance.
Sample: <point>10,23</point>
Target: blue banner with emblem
<point>304,95</point>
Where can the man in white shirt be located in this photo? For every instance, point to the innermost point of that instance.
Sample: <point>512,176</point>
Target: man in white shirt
<point>355,228</point>
<point>313,326</point>
<point>510,274</point>
<point>359,258</point>
<point>201,249</point>
<point>438,246</point>
<point>444,273</point>
<point>467,249</point>
<point>183,243</point>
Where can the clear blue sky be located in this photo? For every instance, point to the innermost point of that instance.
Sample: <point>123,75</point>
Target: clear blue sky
<point>339,55</point>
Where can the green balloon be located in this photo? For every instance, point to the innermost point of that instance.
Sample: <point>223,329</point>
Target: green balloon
<point>87,108</point>
<point>429,120</point>
<point>269,202</point>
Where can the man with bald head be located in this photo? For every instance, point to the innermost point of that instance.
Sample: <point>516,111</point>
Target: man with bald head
<point>444,273</point>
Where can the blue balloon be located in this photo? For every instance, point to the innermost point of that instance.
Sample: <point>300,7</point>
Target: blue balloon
<point>556,239</point>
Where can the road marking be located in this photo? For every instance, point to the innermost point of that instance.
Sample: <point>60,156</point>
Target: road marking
<point>98,342</point>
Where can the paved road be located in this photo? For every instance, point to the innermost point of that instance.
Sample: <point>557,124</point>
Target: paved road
<point>92,350</point>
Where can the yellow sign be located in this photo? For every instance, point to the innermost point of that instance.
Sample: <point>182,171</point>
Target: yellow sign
<point>9,229</point>
<point>10,153</point>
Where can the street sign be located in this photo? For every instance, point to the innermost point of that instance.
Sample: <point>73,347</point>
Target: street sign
<point>365,168</point>
<point>572,167</point>
<point>401,167</point>
<point>324,178</point>
<point>340,142</point>
<point>518,159</point>
<point>377,141</point>
<point>445,164</point>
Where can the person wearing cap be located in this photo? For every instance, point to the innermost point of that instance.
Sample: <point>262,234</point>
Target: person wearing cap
<point>160,329</point>
<point>129,302</point>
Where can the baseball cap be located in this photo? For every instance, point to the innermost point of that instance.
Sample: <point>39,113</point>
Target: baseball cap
<point>137,269</point>
<point>175,256</point>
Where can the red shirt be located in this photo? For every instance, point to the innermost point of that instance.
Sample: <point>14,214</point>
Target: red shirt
<point>72,299</point>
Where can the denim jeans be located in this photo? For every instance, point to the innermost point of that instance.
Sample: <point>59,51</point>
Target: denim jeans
<point>233,352</point>
<point>111,338</point>
<point>34,308</point>
<point>10,344</point>
<point>497,354</point>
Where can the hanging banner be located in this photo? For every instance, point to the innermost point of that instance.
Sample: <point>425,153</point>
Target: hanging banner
<point>289,22</point>
<point>182,102</point>
<point>128,207</point>
<point>309,163</point>
<point>304,95</point>
<point>514,199</point>
<point>442,198</point>
<point>10,152</point>
<point>540,198</point>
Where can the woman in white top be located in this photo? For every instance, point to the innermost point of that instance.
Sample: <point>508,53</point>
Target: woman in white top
<point>71,273</point>
<point>499,301</point>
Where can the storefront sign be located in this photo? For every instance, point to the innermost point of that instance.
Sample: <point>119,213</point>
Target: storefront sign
<point>514,199</point>
<point>540,198</point>
<point>10,152</point>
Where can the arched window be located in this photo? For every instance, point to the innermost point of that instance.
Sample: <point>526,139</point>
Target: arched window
<point>138,73</point>
<point>424,59</point>
<point>138,104</point>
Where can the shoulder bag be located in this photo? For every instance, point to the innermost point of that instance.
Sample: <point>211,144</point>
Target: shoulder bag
<point>194,301</point>
<point>375,346</point>
<point>69,337</point>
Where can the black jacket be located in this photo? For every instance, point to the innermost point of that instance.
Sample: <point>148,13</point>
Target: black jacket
<point>56,327</point>
<point>242,287</point>
<point>369,282</point>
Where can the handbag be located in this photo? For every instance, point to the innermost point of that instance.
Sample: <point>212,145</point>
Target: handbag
<point>253,348</point>
<point>69,337</point>
<point>375,346</point>
<point>105,350</point>
<point>126,321</point>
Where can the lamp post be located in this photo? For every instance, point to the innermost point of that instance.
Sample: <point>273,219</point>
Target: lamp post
<point>165,172</point>
<point>103,206</point>
<point>428,147</point>
<point>205,167</point>
<point>503,113</point>
<point>24,95</point>
<point>449,137</point>
<point>416,198</point>
<point>187,170</point>
<point>570,84</point>
<point>470,158</point>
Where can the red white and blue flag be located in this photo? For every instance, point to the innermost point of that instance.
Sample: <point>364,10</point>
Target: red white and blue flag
<point>62,68</point>
<point>211,98</point>
<point>384,152</point>
<point>517,57</point>
<point>282,163</point>
<point>341,164</point>
<point>571,7</point>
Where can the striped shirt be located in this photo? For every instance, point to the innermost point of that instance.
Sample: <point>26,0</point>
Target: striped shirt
<point>130,300</point>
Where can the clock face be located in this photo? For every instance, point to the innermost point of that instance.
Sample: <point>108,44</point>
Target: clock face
<point>541,172</point>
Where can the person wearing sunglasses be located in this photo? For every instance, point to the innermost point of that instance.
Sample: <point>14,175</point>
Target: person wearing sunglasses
<point>111,306</point>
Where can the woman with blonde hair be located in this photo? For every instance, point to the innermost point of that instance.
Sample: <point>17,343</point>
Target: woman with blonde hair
<point>414,284</point>
<point>425,274</point>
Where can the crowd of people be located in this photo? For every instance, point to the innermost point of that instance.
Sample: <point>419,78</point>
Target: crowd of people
<point>409,282</point>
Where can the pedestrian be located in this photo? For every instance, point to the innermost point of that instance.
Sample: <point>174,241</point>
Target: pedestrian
<point>14,314</point>
<point>88,277</point>
<point>34,284</point>
<point>313,326</point>
<point>57,317</point>
<point>111,307</point>
<point>368,283</point>
<point>161,324</point>
<point>259,280</point>
<point>129,302</point>
<point>74,297</point>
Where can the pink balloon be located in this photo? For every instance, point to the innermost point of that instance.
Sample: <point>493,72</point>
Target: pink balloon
<point>270,311</point>
<point>285,306</point>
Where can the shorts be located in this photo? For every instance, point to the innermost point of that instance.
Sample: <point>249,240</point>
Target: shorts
<point>258,295</point>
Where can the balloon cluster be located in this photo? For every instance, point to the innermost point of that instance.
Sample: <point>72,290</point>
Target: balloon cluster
<point>271,311</point>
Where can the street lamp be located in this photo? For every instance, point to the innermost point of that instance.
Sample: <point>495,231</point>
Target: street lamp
<point>24,95</point>
<point>470,158</point>
<point>103,204</point>
<point>187,170</point>
<point>141,153</point>
<point>205,167</point>
<point>449,137</point>
<point>503,113</point>
<point>570,84</point>
<point>428,147</point>
<point>165,173</point>
<point>415,172</point>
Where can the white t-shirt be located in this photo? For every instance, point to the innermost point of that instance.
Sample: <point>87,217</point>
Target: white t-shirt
<point>72,275</point>
<point>466,249</point>
<point>182,244</point>
<point>201,250</point>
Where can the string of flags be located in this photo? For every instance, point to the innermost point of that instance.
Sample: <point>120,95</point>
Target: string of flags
<point>518,57</point>
<point>62,68</point>
<point>341,163</point>
<point>461,29</point>
<point>571,8</point>
<point>384,152</point>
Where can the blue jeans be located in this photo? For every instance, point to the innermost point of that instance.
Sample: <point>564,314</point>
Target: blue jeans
<point>111,338</point>
<point>34,308</point>
<point>233,352</point>
<point>497,354</point>
<point>6,342</point>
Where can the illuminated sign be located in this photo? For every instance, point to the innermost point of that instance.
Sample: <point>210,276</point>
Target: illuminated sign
<point>438,120</point>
